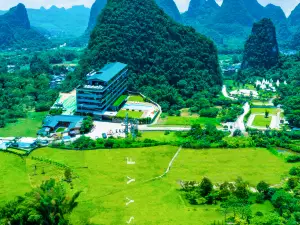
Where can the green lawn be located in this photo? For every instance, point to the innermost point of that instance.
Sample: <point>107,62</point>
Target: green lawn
<point>261,121</point>
<point>186,121</point>
<point>27,127</point>
<point>272,111</point>
<point>101,176</point>
<point>13,177</point>
<point>159,136</point>
<point>120,100</point>
<point>136,98</point>
<point>131,114</point>
<point>219,165</point>
<point>60,129</point>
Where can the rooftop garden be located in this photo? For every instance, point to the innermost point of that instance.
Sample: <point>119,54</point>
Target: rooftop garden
<point>131,114</point>
<point>120,100</point>
<point>136,98</point>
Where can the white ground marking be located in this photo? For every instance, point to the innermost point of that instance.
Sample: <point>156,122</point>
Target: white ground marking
<point>129,161</point>
<point>129,201</point>
<point>129,221</point>
<point>130,180</point>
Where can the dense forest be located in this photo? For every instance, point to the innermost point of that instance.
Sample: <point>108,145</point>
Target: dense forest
<point>16,31</point>
<point>168,62</point>
<point>261,49</point>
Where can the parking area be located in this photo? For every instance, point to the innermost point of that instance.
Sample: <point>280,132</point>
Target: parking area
<point>110,129</point>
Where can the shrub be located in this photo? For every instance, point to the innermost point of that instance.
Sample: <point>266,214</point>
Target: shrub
<point>293,159</point>
<point>209,112</point>
<point>294,171</point>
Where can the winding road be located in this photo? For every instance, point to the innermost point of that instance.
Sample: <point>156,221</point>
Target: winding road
<point>239,124</point>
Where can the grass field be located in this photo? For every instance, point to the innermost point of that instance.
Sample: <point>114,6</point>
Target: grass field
<point>272,111</point>
<point>159,136</point>
<point>102,180</point>
<point>261,121</point>
<point>136,98</point>
<point>26,127</point>
<point>131,114</point>
<point>186,121</point>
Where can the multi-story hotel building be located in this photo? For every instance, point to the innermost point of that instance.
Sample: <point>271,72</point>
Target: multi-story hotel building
<point>102,89</point>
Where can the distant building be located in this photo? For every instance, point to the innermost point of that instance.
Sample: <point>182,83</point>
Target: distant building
<point>72,124</point>
<point>102,89</point>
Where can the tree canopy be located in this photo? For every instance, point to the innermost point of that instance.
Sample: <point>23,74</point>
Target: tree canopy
<point>167,61</point>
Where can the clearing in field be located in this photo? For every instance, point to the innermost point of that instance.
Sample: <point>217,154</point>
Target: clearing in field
<point>27,127</point>
<point>261,121</point>
<point>102,178</point>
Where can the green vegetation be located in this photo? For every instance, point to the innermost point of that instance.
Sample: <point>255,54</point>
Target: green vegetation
<point>120,100</point>
<point>107,189</point>
<point>238,163</point>
<point>136,98</point>
<point>16,31</point>
<point>191,56</point>
<point>60,22</point>
<point>26,127</point>
<point>87,125</point>
<point>131,114</point>
<point>261,48</point>
<point>60,129</point>
<point>186,121</point>
<point>272,111</point>
<point>42,208</point>
<point>261,121</point>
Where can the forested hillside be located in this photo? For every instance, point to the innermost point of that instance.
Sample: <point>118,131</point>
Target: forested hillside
<point>167,61</point>
<point>95,12</point>
<point>170,9</point>
<point>261,49</point>
<point>230,25</point>
<point>16,31</point>
<point>61,22</point>
<point>288,70</point>
<point>200,11</point>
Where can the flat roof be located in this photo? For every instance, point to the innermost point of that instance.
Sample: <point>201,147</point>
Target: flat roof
<point>52,121</point>
<point>108,72</point>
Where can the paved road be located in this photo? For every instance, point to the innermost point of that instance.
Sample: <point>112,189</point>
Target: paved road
<point>225,93</point>
<point>239,124</point>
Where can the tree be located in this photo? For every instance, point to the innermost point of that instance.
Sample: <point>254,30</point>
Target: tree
<point>39,65</point>
<point>87,125</point>
<point>68,175</point>
<point>206,187</point>
<point>241,191</point>
<point>262,187</point>
<point>267,114</point>
<point>237,133</point>
<point>45,205</point>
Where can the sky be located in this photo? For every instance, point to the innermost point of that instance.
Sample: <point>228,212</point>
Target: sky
<point>287,5</point>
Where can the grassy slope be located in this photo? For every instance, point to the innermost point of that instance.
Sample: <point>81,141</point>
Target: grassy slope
<point>13,177</point>
<point>261,121</point>
<point>102,178</point>
<point>27,127</point>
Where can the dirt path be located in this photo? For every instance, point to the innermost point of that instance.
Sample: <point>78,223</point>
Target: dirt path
<point>169,166</point>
